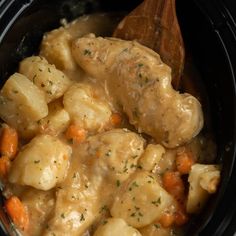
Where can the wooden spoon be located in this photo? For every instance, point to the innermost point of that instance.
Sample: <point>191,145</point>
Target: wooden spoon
<point>154,24</point>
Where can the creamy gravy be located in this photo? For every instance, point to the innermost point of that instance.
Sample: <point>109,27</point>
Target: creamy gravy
<point>106,167</point>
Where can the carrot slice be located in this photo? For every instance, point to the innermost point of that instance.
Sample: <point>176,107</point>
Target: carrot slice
<point>9,142</point>
<point>167,219</point>
<point>173,184</point>
<point>75,133</point>
<point>116,119</point>
<point>4,166</point>
<point>18,212</point>
<point>184,162</point>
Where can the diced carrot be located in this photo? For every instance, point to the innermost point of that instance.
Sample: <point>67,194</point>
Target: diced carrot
<point>9,142</point>
<point>75,133</point>
<point>184,162</point>
<point>181,216</point>
<point>167,219</point>
<point>98,153</point>
<point>173,184</point>
<point>116,119</point>
<point>18,212</point>
<point>4,165</point>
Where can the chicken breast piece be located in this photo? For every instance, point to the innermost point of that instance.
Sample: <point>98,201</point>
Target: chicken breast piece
<point>137,79</point>
<point>98,167</point>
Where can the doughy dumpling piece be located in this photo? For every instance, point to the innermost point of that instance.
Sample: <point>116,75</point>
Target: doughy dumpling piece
<point>56,48</point>
<point>21,101</point>
<point>141,200</point>
<point>114,153</point>
<point>151,156</point>
<point>42,163</point>
<point>85,109</point>
<point>116,227</point>
<point>45,76</point>
<point>54,123</point>
<point>57,120</point>
<point>203,180</point>
<point>39,204</point>
<point>138,80</point>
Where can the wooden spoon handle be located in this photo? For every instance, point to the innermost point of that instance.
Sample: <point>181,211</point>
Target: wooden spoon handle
<point>154,24</point>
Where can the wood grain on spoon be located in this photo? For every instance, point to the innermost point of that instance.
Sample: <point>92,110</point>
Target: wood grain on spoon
<point>154,24</point>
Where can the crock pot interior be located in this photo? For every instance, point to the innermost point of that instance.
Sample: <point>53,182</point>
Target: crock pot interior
<point>21,31</point>
<point>207,46</point>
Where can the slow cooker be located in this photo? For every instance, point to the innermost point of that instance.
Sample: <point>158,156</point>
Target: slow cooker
<point>209,33</point>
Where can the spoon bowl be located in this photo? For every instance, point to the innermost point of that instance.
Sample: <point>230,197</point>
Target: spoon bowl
<point>154,24</point>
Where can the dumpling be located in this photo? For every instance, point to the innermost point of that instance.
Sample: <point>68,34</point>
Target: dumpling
<point>42,163</point>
